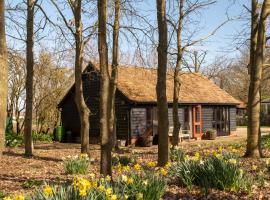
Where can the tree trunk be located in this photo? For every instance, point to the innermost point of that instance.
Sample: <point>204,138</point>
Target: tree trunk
<point>83,110</point>
<point>3,77</point>
<point>177,78</point>
<point>28,142</point>
<point>105,162</point>
<point>162,105</point>
<point>114,73</point>
<point>254,105</point>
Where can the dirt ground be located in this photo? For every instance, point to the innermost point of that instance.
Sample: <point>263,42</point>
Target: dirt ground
<point>19,174</point>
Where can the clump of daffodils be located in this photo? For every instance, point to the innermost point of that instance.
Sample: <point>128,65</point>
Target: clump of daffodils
<point>76,164</point>
<point>15,197</point>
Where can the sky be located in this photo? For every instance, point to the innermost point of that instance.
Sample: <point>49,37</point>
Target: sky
<point>222,43</point>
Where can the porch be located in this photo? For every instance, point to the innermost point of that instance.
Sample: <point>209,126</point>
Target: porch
<point>194,119</point>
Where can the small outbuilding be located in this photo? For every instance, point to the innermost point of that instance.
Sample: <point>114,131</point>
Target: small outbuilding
<point>202,104</point>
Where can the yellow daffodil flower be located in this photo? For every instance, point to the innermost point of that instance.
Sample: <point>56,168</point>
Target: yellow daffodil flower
<point>124,178</point>
<point>163,171</point>
<point>109,191</point>
<point>19,197</point>
<point>232,161</point>
<point>7,198</point>
<point>130,181</point>
<point>254,167</point>
<point>137,167</point>
<point>48,190</point>
<point>113,197</point>
<point>152,164</point>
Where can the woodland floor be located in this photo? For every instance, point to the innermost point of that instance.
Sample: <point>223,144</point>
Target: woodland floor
<point>19,174</point>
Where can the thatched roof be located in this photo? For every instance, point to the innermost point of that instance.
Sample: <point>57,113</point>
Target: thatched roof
<point>139,85</point>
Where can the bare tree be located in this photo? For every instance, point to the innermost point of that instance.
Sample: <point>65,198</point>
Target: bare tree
<point>16,87</point>
<point>259,18</point>
<point>3,76</point>
<point>114,71</point>
<point>162,105</point>
<point>80,42</point>
<point>105,162</point>
<point>28,142</point>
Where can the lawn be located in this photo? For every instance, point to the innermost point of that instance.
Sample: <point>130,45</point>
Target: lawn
<point>20,175</point>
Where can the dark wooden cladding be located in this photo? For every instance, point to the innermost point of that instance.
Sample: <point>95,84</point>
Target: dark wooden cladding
<point>232,112</point>
<point>207,118</point>
<point>91,88</point>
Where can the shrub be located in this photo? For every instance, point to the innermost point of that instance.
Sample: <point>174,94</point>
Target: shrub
<point>123,160</point>
<point>221,172</point>
<point>266,141</point>
<point>77,164</point>
<point>177,154</point>
<point>31,183</point>
<point>41,137</point>
<point>14,140</point>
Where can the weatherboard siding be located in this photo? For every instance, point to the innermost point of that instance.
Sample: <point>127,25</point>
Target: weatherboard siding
<point>232,112</point>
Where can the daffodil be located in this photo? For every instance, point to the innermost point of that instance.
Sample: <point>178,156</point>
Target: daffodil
<point>82,192</point>
<point>7,198</point>
<point>137,167</point>
<point>19,197</point>
<point>168,165</point>
<point>92,175</point>
<point>152,164</point>
<point>145,182</point>
<point>84,156</point>
<point>101,188</point>
<point>48,191</point>
<point>126,196</point>
<point>241,171</point>
<point>124,178</point>
<point>126,168</point>
<point>254,167</point>
<point>232,161</point>
<point>267,162</point>
<point>109,191</point>
<point>197,156</point>
<point>163,171</point>
<point>130,181</point>
<point>139,196</point>
<point>108,178</point>
<point>113,197</point>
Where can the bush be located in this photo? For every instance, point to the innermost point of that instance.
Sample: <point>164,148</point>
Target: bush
<point>177,154</point>
<point>211,134</point>
<point>221,172</point>
<point>123,160</point>
<point>14,140</point>
<point>77,164</point>
<point>41,137</point>
<point>266,141</point>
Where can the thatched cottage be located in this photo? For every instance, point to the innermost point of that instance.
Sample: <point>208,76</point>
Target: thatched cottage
<point>202,106</point>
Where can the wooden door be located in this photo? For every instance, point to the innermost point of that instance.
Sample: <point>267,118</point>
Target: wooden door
<point>197,121</point>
